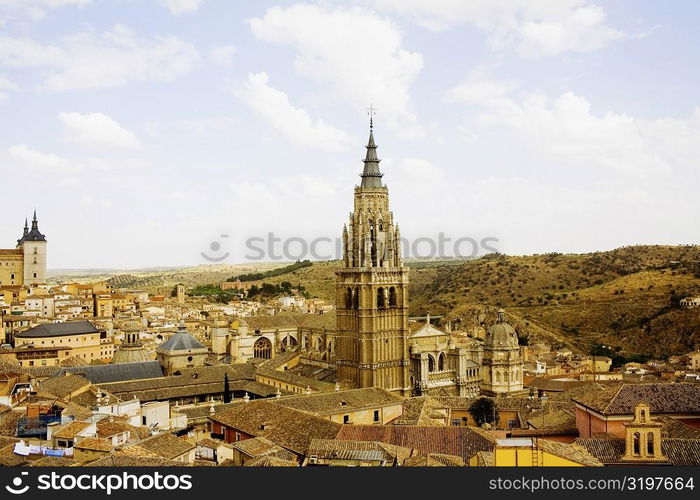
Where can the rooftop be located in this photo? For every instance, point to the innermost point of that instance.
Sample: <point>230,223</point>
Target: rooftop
<point>58,330</point>
<point>661,398</point>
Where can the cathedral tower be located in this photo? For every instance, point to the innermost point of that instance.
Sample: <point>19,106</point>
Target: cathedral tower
<point>372,290</point>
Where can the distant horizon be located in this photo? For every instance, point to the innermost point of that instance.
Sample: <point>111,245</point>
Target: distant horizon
<point>96,270</point>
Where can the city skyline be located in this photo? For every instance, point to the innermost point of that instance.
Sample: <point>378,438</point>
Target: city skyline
<point>145,130</point>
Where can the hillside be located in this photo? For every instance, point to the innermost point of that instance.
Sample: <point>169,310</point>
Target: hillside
<point>625,298</point>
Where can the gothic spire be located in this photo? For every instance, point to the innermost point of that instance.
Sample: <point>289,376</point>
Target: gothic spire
<point>371,176</point>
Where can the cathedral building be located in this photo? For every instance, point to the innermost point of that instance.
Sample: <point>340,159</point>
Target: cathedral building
<point>26,263</point>
<point>372,290</point>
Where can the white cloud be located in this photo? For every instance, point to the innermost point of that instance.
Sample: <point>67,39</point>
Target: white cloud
<point>294,123</point>
<point>87,61</point>
<point>97,129</point>
<point>178,7</point>
<point>565,129</point>
<point>41,161</point>
<point>222,55</point>
<point>357,53</point>
<point>34,9</point>
<point>480,88</point>
<point>535,28</point>
<point>6,85</point>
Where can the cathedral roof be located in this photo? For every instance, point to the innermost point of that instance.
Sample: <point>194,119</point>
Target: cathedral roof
<point>501,334</point>
<point>427,330</point>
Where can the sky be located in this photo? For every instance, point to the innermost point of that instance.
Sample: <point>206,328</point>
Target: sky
<point>171,132</point>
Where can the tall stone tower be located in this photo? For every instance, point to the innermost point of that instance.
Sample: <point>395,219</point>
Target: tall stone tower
<point>372,290</point>
<point>33,244</point>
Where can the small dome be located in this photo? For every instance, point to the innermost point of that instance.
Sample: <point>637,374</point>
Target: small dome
<point>181,341</point>
<point>129,354</point>
<point>501,334</point>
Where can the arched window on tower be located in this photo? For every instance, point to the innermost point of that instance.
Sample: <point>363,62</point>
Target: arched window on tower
<point>392,297</point>
<point>637,443</point>
<point>431,363</point>
<point>348,298</point>
<point>441,362</point>
<point>381,298</point>
<point>355,299</point>
<point>650,443</point>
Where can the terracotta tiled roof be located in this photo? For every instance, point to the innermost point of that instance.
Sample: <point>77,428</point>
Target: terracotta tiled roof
<point>163,445</point>
<point>434,460</point>
<point>62,386</point>
<point>291,429</point>
<point>96,444</point>
<point>135,461</point>
<point>680,452</point>
<point>54,462</point>
<point>295,379</point>
<point>339,401</point>
<point>326,320</point>
<point>267,461</point>
<point>662,399</point>
<point>260,446</point>
<point>461,441</point>
<point>69,431</point>
<point>105,428</point>
<point>573,452</point>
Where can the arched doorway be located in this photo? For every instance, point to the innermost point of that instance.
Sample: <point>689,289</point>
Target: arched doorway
<point>262,348</point>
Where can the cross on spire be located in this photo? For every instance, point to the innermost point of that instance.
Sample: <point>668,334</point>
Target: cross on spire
<point>371,111</point>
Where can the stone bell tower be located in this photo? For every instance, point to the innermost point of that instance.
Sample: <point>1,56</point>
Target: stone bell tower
<point>372,289</point>
<point>33,245</point>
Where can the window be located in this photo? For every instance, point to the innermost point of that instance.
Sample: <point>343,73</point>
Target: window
<point>431,363</point>
<point>143,420</point>
<point>381,299</point>
<point>392,297</point>
<point>376,415</point>
<point>456,422</point>
<point>238,436</point>
<point>512,424</point>
<point>346,419</point>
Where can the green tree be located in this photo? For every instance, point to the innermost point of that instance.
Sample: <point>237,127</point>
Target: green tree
<point>483,411</point>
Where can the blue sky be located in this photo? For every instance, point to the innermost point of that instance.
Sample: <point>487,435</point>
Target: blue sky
<point>142,130</point>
